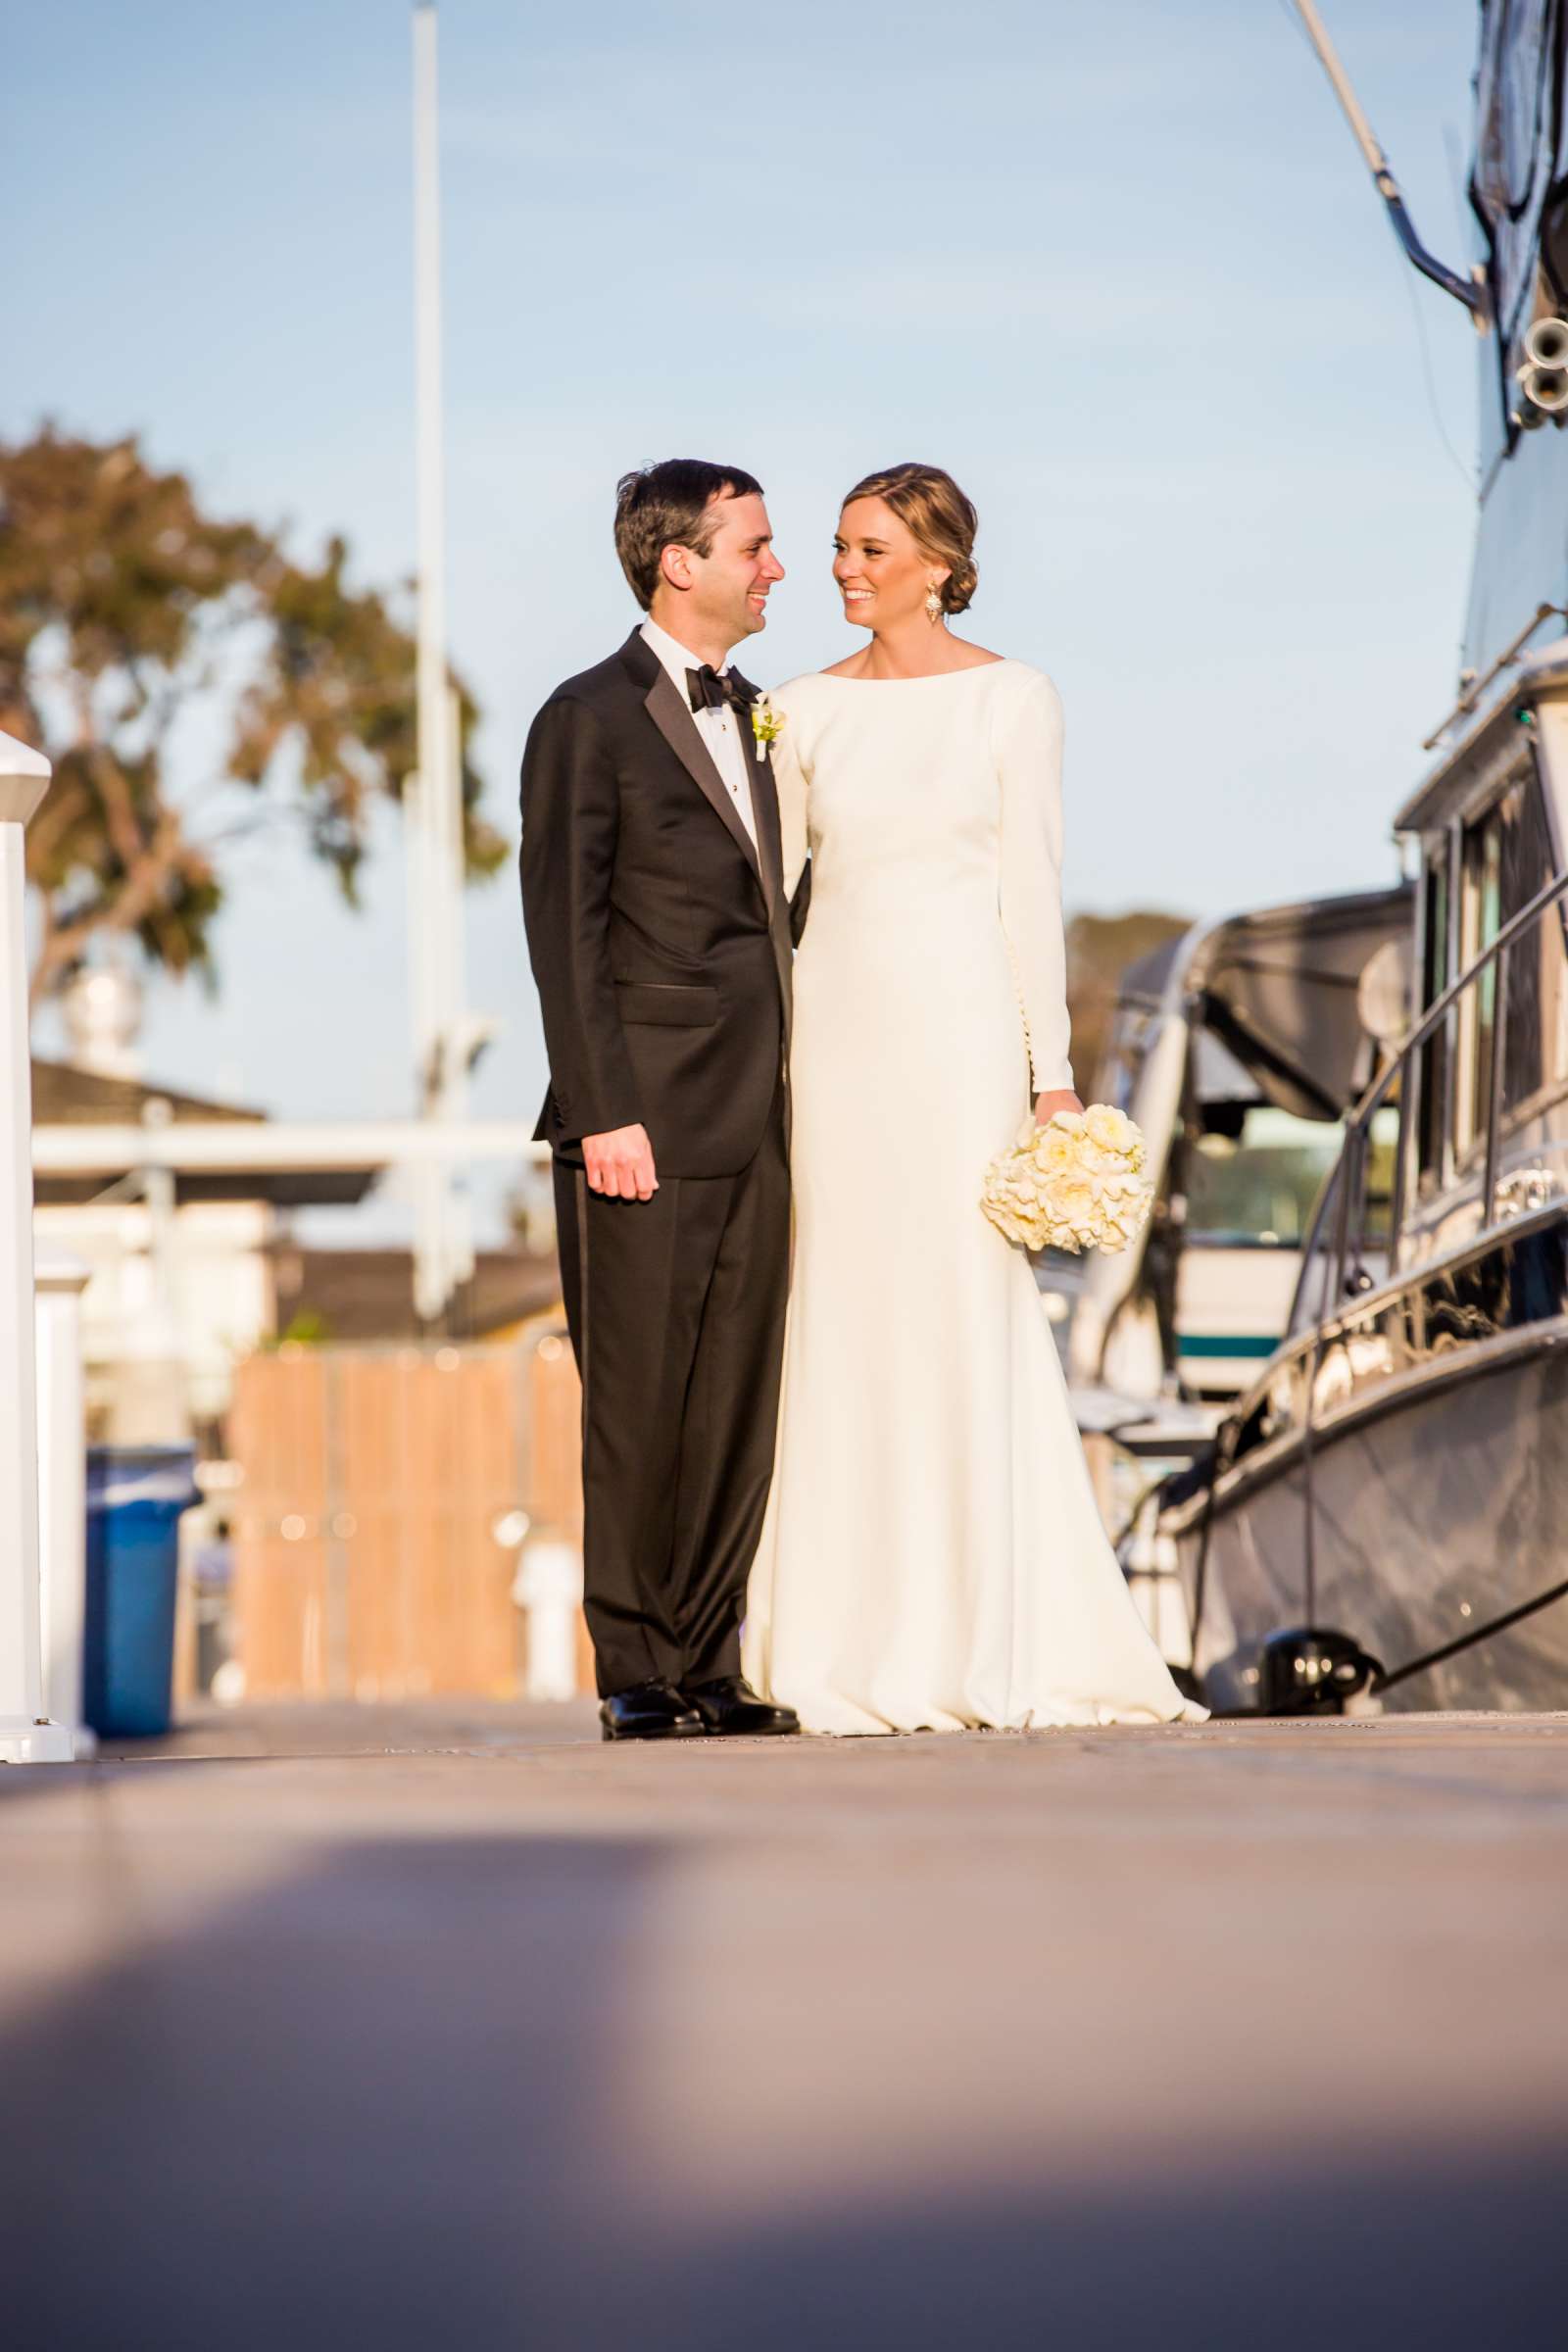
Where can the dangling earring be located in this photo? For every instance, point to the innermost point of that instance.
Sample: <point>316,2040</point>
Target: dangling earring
<point>933,601</point>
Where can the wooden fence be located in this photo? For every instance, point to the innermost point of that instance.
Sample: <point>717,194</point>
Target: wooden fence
<point>381,1496</point>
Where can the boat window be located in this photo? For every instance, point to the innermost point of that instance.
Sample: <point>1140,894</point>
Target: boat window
<point>1506,858</point>
<point>1534,1054</point>
<point>1433,1089</point>
<point>1253,1186</point>
<point>1535,1059</point>
<point>1480,920</point>
<point>1527,861</point>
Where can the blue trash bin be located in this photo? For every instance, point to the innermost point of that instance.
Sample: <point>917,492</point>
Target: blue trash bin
<point>135,1495</point>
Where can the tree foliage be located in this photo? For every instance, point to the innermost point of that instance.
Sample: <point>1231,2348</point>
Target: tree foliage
<point>125,609</point>
<point>1100,947</point>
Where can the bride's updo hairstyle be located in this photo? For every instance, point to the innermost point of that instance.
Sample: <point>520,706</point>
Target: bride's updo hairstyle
<point>939,518</point>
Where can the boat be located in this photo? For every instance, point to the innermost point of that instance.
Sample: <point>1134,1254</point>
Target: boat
<point>1238,1048</point>
<point>1381,1518</point>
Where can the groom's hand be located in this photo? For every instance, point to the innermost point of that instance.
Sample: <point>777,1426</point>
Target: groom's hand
<point>621,1164</point>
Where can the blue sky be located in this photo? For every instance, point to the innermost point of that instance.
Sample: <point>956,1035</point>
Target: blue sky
<point>1118,268</point>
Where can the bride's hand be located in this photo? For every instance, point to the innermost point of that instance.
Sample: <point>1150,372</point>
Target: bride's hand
<point>1048,1106</point>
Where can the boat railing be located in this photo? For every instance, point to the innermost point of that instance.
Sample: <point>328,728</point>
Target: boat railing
<point>1468,1089</point>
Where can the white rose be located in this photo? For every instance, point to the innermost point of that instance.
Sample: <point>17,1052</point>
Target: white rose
<point>1055,1152</point>
<point>1110,1129</point>
<point>1074,1198</point>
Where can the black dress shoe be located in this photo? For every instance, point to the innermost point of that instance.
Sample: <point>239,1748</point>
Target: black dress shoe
<point>650,1711</point>
<point>731,1708</point>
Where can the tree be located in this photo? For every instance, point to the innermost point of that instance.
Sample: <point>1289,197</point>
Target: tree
<point>125,609</point>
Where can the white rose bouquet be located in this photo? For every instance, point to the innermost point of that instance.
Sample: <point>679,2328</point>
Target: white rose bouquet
<point>1077,1183</point>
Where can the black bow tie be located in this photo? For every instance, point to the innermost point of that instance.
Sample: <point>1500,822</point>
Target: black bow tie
<point>711,692</point>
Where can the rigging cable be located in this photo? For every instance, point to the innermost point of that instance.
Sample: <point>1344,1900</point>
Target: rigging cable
<point>1466,473</point>
<point>1382,1681</point>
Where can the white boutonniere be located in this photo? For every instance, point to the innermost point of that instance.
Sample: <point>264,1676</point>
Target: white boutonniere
<point>767,725</point>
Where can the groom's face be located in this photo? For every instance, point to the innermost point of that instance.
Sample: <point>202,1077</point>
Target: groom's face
<point>730,584</point>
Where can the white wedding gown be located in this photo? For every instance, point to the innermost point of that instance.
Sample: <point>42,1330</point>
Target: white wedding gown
<point>932,1557</point>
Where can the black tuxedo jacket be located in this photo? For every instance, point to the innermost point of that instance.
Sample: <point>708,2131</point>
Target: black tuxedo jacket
<point>661,940</point>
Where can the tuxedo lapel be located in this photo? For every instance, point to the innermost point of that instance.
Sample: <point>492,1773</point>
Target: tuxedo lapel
<point>769,834</point>
<point>769,831</point>
<point>674,721</point>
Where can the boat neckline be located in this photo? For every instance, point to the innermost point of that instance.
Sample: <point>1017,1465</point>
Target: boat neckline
<point>927,677</point>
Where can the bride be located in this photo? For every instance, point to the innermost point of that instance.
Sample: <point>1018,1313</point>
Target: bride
<point>932,1557</point>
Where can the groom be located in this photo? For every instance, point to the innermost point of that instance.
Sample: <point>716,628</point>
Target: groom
<point>660,936</point>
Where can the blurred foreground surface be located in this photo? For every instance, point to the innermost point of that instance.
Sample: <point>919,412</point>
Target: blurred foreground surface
<point>392,2027</point>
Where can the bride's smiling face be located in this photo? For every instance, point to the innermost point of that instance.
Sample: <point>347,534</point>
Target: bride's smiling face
<point>883,574</point>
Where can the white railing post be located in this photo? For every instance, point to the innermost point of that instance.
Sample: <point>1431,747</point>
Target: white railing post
<point>27,1735</point>
<point>548,1588</point>
<point>62,1492</point>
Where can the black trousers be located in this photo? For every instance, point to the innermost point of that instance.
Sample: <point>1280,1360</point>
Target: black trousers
<point>675,1307</point>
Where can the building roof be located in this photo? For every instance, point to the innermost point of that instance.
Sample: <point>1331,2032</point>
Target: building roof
<point>363,1295</point>
<point>64,1095</point>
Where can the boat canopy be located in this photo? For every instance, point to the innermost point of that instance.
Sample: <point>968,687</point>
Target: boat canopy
<point>1268,1004</point>
<point>1281,990</point>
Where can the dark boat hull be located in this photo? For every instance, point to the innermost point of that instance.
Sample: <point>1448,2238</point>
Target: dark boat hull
<point>1439,1474</point>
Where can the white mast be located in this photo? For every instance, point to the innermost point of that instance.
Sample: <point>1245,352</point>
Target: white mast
<point>443,1254</point>
<point>26,1736</point>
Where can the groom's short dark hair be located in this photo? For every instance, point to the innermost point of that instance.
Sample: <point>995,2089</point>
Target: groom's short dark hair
<point>667,506</point>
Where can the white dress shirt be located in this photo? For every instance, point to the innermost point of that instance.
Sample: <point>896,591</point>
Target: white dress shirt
<point>719,729</point>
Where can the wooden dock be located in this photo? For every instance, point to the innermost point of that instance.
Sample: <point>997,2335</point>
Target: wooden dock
<point>383,2029</point>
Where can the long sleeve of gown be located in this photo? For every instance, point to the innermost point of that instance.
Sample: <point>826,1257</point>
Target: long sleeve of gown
<point>1031,881</point>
